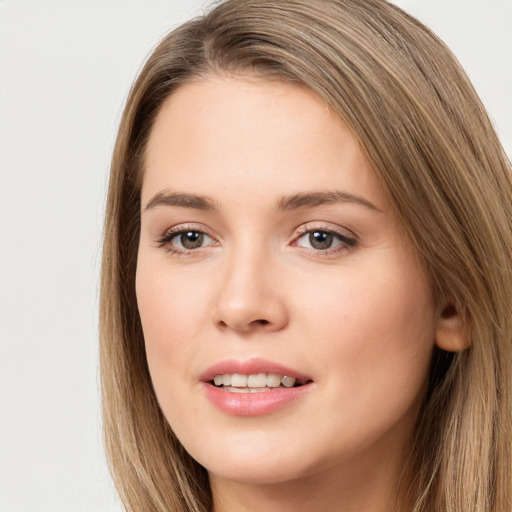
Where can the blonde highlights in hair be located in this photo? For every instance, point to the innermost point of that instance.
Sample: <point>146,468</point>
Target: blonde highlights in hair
<point>435,151</point>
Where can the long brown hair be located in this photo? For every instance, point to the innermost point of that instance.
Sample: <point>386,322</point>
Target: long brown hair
<point>432,145</point>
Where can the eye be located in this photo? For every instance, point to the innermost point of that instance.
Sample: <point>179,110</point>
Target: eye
<point>323,240</point>
<point>183,240</point>
<point>189,239</point>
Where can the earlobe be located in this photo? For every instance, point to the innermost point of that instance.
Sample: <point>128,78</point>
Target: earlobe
<point>452,334</point>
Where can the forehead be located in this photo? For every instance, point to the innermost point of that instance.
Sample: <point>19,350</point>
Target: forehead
<point>218,132</point>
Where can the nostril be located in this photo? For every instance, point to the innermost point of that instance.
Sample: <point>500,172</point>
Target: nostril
<point>260,321</point>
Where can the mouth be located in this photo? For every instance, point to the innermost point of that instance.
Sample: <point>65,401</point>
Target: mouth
<point>256,382</point>
<point>254,387</point>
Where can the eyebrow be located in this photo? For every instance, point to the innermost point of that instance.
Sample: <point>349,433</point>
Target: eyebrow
<point>293,202</point>
<point>166,198</point>
<point>312,199</point>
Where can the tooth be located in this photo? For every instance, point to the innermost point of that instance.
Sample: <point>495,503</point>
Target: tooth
<point>235,390</point>
<point>246,390</point>
<point>257,381</point>
<point>238,380</point>
<point>273,380</point>
<point>288,382</point>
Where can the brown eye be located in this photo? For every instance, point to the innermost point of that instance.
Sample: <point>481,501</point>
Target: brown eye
<point>185,241</point>
<point>324,240</point>
<point>191,239</point>
<point>320,240</point>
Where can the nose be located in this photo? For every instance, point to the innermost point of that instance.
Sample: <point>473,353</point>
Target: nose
<point>250,298</point>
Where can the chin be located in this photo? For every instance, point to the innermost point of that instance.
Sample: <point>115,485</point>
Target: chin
<point>271,462</point>
<point>256,474</point>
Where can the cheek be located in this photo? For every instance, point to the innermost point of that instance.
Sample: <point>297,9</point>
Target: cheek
<point>171,309</point>
<point>171,300</point>
<point>373,335</point>
<point>379,326</point>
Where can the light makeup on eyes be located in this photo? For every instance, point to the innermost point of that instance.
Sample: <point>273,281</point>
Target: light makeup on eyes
<point>322,239</point>
<point>186,240</point>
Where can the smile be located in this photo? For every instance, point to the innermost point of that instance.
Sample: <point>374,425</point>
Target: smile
<point>254,387</point>
<point>255,383</point>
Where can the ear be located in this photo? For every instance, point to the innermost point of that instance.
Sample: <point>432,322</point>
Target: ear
<point>452,333</point>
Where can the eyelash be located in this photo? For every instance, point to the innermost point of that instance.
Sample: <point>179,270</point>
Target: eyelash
<point>165,240</point>
<point>345,242</point>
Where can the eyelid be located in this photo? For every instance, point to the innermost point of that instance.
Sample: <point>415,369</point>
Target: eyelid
<point>325,226</point>
<point>165,238</point>
<point>347,237</point>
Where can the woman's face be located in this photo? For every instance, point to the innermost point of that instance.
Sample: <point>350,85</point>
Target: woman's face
<point>268,249</point>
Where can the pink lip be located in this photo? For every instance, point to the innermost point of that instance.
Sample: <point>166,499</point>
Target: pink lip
<point>252,404</point>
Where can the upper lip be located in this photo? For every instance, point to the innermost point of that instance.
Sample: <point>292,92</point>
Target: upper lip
<point>251,367</point>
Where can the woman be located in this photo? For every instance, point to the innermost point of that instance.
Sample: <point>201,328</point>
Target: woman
<point>306,288</point>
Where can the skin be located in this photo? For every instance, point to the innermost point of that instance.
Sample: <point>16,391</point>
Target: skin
<point>358,318</point>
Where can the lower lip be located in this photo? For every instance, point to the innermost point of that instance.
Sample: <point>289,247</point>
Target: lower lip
<point>254,404</point>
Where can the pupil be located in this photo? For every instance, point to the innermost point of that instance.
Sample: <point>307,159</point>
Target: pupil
<point>192,239</point>
<point>320,240</point>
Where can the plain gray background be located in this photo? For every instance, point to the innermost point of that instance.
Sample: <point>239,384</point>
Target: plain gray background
<point>65,70</point>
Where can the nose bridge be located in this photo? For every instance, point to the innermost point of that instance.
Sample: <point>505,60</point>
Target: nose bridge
<point>249,296</point>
